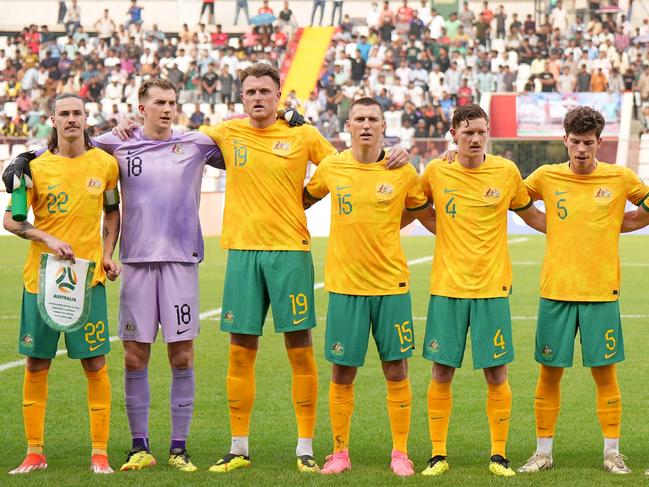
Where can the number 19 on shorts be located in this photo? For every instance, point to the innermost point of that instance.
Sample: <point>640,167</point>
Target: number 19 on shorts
<point>300,307</point>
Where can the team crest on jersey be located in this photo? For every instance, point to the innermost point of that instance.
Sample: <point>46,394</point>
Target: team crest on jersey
<point>229,317</point>
<point>491,193</point>
<point>94,185</point>
<point>281,146</point>
<point>603,194</point>
<point>384,192</point>
<point>433,346</point>
<point>178,149</point>
<point>27,340</point>
<point>129,328</point>
<point>547,351</point>
<point>337,349</point>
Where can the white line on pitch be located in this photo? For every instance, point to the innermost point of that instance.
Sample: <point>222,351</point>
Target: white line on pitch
<point>212,314</point>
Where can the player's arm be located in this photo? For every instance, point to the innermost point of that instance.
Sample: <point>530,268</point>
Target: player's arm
<point>111,234</point>
<point>29,232</point>
<point>533,217</point>
<point>308,200</point>
<point>316,188</point>
<point>635,220</point>
<point>425,215</point>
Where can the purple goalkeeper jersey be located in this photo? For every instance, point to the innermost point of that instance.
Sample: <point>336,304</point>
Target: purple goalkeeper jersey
<point>160,185</point>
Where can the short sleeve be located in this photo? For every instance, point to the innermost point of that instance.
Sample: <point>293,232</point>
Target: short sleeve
<point>317,185</point>
<point>636,190</point>
<point>210,150</point>
<point>113,173</point>
<point>214,132</point>
<point>107,142</point>
<point>425,182</point>
<point>416,199</point>
<point>520,198</point>
<point>533,185</point>
<point>319,147</point>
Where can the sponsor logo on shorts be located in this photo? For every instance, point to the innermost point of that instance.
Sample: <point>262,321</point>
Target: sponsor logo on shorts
<point>498,355</point>
<point>337,349</point>
<point>297,322</point>
<point>228,316</point>
<point>609,355</point>
<point>180,332</point>
<point>92,348</point>
<point>433,346</point>
<point>129,328</point>
<point>547,351</point>
<point>66,279</point>
<point>27,340</point>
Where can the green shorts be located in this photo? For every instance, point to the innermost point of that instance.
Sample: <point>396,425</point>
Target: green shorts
<point>350,319</point>
<point>448,322</point>
<point>39,341</point>
<point>600,332</point>
<point>256,279</point>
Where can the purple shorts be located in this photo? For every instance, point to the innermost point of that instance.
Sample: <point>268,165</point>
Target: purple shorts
<point>164,293</point>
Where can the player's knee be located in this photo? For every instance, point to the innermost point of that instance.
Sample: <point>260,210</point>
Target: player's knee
<point>342,374</point>
<point>396,370</point>
<point>182,360</point>
<point>93,364</point>
<point>443,373</point>
<point>34,364</point>
<point>496,375</point>
<point>297,339</point>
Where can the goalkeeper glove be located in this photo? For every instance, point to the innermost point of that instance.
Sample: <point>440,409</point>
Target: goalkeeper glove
<point>17,169</point>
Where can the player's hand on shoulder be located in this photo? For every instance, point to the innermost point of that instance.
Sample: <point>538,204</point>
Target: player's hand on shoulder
<point>397,157</point>
<point>124,129</point>
<point>112,268</point>
<point>292,117</point>
<point>62,249</point>
<point>449,155</point>
<point>17,169</point>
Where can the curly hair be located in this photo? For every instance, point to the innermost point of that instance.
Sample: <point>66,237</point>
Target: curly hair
<point>468,112</point>
<point>583,120</point>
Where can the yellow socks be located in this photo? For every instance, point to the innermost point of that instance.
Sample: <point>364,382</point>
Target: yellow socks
<point>547,400</point>
<point>241,390</point>
<point>399,407</point>
<point>341,407</point>
<point>99,408</point>
<point>609,402</point>
<point>440,402</point>
<point>304,389</point>
<point>499,411</point>
<point>34,404</point>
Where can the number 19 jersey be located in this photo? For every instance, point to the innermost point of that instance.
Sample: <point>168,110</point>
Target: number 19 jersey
<point>471,254</point>
<point>584,215</point>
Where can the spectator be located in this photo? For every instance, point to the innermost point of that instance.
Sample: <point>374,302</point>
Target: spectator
<point>105,27</point>
<point>241,5</point>
<point>312,109</point>
<point>286,20</point>
<point>644,119</point>
<point>501,18</point>
<point>72,18</point>
<point>567,82</point>
<point>197,118</point>
<point>487,14</point>
<point>265,8</point>
<point>464,94</point>
<point>226,82</point>
<point>337,6</point>
<point>207,6</point>
<point>467,18</point>
<point>42,129</point>
<point>583,79</point>
<point>598,82</point>
<point>133,14</point>
<point>62,11</point>
<point>615,81</point>
<point>559,18</point>
<point>373,16</point>
<point>317,5</point>
<point>548,83</point>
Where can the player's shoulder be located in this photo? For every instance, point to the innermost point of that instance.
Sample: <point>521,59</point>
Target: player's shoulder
<point>550,169</point>
<point>500,162</point>
<point>614,169</point>
<point>191,136</point>
<point>100,156</point>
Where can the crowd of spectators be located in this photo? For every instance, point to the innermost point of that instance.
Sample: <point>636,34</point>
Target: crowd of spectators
<point>417,63</point>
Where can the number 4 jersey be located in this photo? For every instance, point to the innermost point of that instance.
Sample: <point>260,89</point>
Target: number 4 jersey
<point>67,201</point>
<point>584,217</point>
<point>160,183</point>
<point>471,254</point>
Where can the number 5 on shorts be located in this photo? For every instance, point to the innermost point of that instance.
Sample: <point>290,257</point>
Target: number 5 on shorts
<point>611,343</point>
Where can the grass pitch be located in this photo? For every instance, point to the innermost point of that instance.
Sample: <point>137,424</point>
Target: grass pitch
<point>578,445</point>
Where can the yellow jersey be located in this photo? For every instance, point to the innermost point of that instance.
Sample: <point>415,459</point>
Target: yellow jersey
<point>471,257</point>
<point>584,215</point>
<point>67,201</point>
<point>364,255</point>
<point>266,169</point>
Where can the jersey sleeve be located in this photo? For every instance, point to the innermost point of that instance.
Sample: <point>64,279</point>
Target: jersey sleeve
<point>113,174</point>
<point>317,185</point>
<point>210,150</point>
<point>319,147</point>
<point>107,142</point>
<point>425,182</point>
<point>533,185</point>
<point>416,199</point>
<point>636,190</point>
<point>521,199</point>
<point>214,132</point>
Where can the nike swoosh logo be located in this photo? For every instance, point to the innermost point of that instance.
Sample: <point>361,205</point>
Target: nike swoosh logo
<point>609,355</point>
<point>94,347</point>
<point>52,186</point>
<point>498,355</point>
<point>405,349</point>
<point>180,332</point>
<point>559,193</point>
<point>613,401</point>
<point>446,190</point>
<point>339,188</point>
<point>437,417</point>
<point>297,322</point>
<point>27,404</point>
<point>130,151</point>
<point>94,408</point>
<point>185,405</point>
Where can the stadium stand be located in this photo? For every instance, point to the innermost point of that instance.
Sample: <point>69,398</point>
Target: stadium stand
<point>416,62</point>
